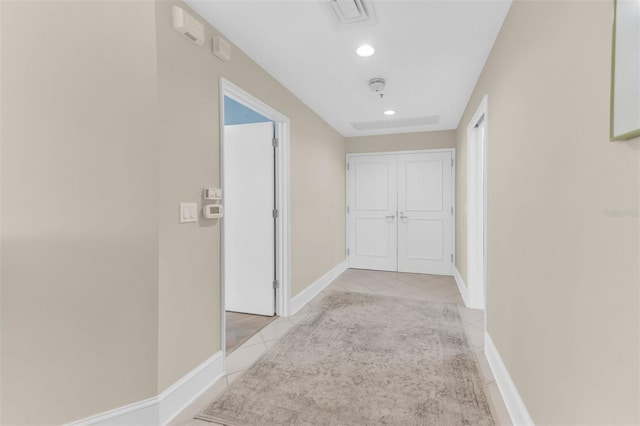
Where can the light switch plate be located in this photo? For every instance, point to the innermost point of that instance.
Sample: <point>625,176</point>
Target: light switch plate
<point>188,212</point>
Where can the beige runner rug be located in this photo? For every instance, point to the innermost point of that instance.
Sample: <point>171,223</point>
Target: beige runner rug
<point>361,359</point>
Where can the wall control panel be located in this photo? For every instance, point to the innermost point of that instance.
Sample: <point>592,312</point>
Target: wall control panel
<point>213,193</point>
<point>212,211</point>
<point>188,212</point>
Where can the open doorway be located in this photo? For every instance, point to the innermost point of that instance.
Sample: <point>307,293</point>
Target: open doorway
<point>249,250</point>
<point>254,247</point>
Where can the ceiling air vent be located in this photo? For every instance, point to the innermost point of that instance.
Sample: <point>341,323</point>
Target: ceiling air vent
<point>429,120</point>
<point>350,11</point>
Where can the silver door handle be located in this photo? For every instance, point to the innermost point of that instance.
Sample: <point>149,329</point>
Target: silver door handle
<point>393,216</point>
<point>404,217</point>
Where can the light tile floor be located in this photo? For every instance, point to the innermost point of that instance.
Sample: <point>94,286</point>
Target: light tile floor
<point>414,286</point>
<point>241,327</point>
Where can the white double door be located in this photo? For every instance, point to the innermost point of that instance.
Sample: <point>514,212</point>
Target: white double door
<point>400,212</point>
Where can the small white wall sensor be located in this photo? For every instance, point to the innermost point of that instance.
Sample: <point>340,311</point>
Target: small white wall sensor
<point>221,49</point>
<point>187,25</point>
<point>213,193</point>
<point>212,211</point>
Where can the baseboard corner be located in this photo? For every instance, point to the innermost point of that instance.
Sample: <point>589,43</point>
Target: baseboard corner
<point>462,287</point>
<point>510,395</point>
<point>186,390</point>
<point>161,409</point>
<point>297,302</point>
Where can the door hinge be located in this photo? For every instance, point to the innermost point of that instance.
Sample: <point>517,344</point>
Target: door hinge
<point>276,284</point>
<point>347,252</point>
<point>451,209</point>
<point>275,213</point>
<point>347,166</point>
<point>451,258</point>
<point>275,142</point>
<point>452,162</point>
<point>347,209</point>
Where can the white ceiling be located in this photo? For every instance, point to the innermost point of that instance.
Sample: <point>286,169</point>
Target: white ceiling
<point>430,52</point>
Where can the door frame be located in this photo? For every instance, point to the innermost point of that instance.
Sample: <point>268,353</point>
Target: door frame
<point>283,197</point>
<point>417,151</point>
<point>477,199</point>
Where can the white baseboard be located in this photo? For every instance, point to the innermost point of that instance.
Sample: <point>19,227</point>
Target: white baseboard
<point>186,390</point>
<point>163,408</point>
<point>318,285</point>
<point>512,400</point>
<point>464,292</point>
<point>143,413</point>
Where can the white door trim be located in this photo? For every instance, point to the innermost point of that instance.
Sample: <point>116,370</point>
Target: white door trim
<point>283,191</point>
<point>476,195</point>
<point>418,151</point>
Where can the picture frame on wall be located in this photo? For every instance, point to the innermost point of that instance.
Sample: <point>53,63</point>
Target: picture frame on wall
<point>625,71</point>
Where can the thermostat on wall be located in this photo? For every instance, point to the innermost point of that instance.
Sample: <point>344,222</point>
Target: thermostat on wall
<point>212,211</point>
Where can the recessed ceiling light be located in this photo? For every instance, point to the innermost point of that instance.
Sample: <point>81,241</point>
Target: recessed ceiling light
<point>389,112</point>
<point>365,50</point>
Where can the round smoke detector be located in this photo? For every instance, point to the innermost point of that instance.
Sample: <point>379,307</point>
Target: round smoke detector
<point>377,84</point>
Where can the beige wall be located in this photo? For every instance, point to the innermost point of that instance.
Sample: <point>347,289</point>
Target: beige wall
<point>189,309</point>
<point>562,276</point>
<point>189,256</point>
<point>402,142</point>
<point>79,223</point>
<point>106,299</point>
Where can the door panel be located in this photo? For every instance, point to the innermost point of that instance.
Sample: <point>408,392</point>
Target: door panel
<point>372,218</point>
<point>423,185</point>
<point>249,255</point>
<point>372,237</point>
<point>369,179</point>
<point>431,246</point>
<point>426,220</point>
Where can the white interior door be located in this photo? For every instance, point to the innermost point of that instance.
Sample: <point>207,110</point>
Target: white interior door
<point>425,213</point>
<point>372,213</point>
<point>249,249</point>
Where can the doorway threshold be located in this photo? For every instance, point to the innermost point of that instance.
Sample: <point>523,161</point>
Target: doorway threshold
<point>242,327</point>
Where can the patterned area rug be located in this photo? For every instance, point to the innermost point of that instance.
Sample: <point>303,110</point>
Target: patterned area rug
<point>360,359</point>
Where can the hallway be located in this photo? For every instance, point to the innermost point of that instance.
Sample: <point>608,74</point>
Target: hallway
<point>113,278</point>
<point>432,288</point>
